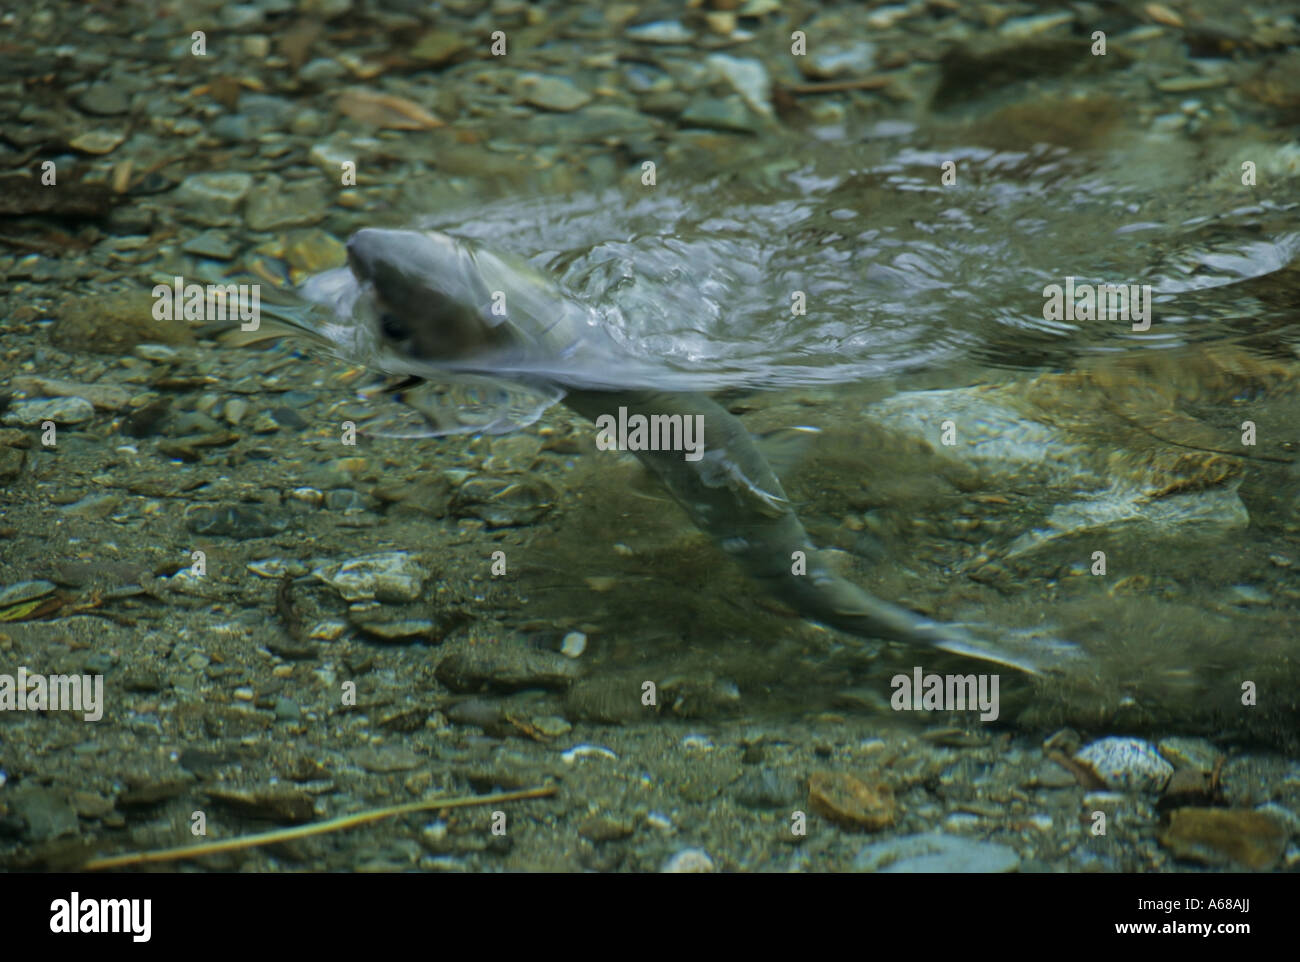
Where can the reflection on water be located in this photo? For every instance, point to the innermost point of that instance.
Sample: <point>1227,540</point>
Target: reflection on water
<point>897,271</point>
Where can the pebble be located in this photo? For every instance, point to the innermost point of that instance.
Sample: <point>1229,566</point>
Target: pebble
<point>688,860</point>
<point>850,801</point>
<point>281,803</point>
<point>837,60</point>
<point>379,760</point>
<point>395,576</point>
<point>213,198</point>
<point>578,752</point>
<point>438,46</point>
<point>936,853</point>
<point>21,591</point>
<point>573,645</point>
<point>721,113</point>
<point>1194,753</point>
<point>105,99</point>
<point>551,93</point>
<point>65,410</point>
<point>275,204</point>
<point>1025,28</point>
<point>1241,838</point>
<point>106,397</point>
<point>93,506</point>
<point>504,502</point>
<point>748,77</point>
<point>1126,764</point>
<point>47,812</point>
<point>507,664</point>
<point>232,521</point>
<point>97,141</point>
<point>211,243</point>
<point>313,250</point>
<point>661,31</point>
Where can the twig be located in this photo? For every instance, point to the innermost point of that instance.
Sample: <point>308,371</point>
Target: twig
<point>316,828</point>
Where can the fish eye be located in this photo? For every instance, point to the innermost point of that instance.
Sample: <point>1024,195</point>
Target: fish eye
<point>393,327</point>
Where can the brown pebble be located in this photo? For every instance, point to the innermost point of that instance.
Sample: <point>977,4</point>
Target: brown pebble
<point>1225,836</point>
<point>850,801</point>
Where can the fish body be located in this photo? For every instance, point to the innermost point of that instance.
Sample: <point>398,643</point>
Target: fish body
<point>442,310</point>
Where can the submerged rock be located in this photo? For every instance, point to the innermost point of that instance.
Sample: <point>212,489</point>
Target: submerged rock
<point>1241,838</point>
<point>936,853</point>
<point>387,576</point>
<point>1127,764</point>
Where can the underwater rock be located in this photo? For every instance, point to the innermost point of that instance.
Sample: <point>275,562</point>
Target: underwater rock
<point>852,802</point>
<point>64,410</point>
<point>1126,764</point>
<point>504,663</point>
<point>504,502</point>
<point>232,521</point>
<point>689,860</point>
<point>395,576</point>
<point>1230,837</point>
<point>114,323</point>
<point>933,852</point>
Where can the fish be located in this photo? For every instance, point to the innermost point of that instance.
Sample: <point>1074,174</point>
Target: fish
<point>485,342</point>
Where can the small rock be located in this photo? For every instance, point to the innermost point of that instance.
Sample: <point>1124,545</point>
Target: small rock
<point>721,113</point>
<point>64,410</point>
<point>573,645</point>
<point>837,59</point>
<point>1025,28</point>
<point>105,99</point>
<point>552,93</point>
<point>936,853</point>
<point>232,521</point>
<point>275,204</point>
<point>314,250</point>
<point>1194,753</point>
<point>504,664</point>
<point>21,591</point>
<point>605,828</point>
<point>850,801</point>
<point>438,46</point>
<point>211,243</point>
<point>688,860</point>
<point>97,141</point>
<point>380,760</point>
<point>106,397</point>
<point>213,198</point>
<point>394,576</point>
<point>281,803</point>
<point>1238,837</point>
<point>47,812</point>
<point>1126,764</point>
<point>661,31</point>
<point>503,502</point>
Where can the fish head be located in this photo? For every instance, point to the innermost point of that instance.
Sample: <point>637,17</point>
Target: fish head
<point>428,300</point>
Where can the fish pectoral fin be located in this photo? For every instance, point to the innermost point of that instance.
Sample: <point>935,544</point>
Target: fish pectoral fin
<point>721,471</point>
